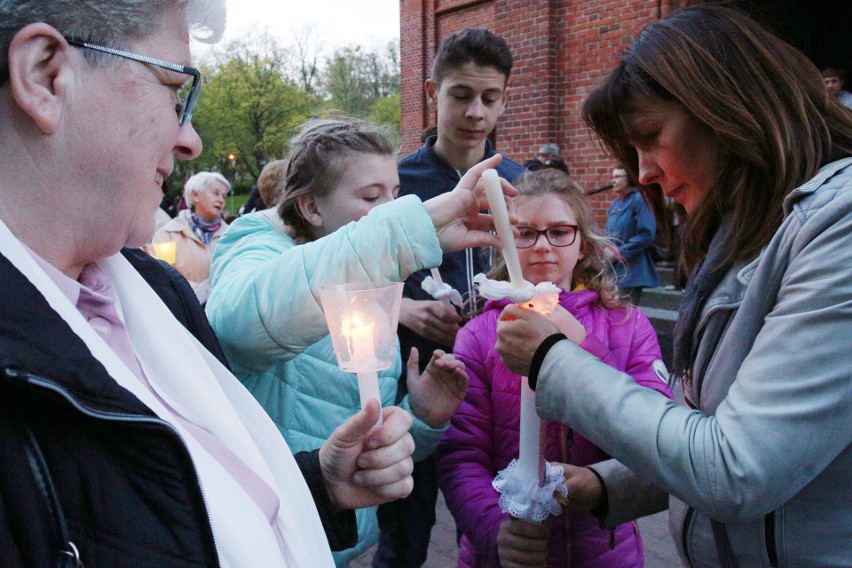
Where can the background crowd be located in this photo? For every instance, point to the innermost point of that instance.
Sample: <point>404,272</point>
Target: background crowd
<point>193,412</point>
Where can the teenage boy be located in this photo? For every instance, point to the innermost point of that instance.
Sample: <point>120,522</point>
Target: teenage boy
<point>468,89</point>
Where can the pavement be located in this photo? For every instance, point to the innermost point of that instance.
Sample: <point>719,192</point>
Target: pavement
<point>443,552</point>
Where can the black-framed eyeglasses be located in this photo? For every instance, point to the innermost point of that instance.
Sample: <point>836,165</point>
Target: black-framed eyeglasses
<point>186,104</point>
<point>557,235</point>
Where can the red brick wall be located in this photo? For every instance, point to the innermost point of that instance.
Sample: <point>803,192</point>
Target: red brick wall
<point>562,49</point>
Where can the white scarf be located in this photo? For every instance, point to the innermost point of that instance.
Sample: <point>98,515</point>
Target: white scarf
<point>202,390</point>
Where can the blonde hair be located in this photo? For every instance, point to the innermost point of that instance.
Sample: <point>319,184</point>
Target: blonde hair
<point>318,157</point>
<point>595,270</point>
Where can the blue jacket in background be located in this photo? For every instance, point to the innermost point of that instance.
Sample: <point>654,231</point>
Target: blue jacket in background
<point>632,226</point>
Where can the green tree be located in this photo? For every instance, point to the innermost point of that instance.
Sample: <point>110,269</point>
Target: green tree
<point>387,110</point>
<point>248,108</point>
<point>354,78</point>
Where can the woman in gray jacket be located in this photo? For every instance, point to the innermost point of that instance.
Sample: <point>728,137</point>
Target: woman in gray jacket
<point>733,124</point>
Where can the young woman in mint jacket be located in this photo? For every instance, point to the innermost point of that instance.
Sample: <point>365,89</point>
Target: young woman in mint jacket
<point>337,222</point>
<point>556,243</point>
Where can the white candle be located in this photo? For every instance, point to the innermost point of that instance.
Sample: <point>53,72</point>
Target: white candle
<point>530,454</point>
<point>531,438</point>
<point>361,343</point>
<point>497,204</point>
<point>363,351</point>
<point>436,276</point>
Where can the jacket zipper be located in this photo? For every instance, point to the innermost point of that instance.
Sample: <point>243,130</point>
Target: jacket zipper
<point>116,417</point>
<point>769,536</point>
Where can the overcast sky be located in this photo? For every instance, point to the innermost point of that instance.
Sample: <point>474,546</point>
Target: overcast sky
<point>337,22</point>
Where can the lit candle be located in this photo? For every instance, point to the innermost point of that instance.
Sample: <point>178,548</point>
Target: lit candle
<point>361,341</point>
<point>362,349</point>
<point>531,437</point>
<point>500,214</point>
<point>166,251</point>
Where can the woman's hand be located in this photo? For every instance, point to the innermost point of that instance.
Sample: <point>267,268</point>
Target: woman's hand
<point>437,393</point>
<point>568,324</point>
<point>456,214</point>
<point>362,468</point>
<point>519,333</point>
<point>521,544</point>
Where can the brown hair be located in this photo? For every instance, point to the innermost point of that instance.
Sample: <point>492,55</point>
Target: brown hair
<point>271,181</point>
<point>762,102</point>
<point>318,157</point>
<point>594,270</point>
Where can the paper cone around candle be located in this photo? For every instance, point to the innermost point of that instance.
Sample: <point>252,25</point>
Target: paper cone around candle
<point>362,319</point>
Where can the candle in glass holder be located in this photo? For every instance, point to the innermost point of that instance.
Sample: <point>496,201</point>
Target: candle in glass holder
<point>362,319</point>
<point>166,251</point>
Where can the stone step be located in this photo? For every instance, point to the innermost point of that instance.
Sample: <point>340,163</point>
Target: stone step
<point>661,298</point>
<point>663,321</point>
<point>666,274</point>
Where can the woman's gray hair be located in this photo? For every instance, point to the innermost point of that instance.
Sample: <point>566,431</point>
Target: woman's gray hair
<point>199,182</point>
<point>113,23</point>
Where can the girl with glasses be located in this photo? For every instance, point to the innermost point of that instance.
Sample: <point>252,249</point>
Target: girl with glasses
<point>556,243</point>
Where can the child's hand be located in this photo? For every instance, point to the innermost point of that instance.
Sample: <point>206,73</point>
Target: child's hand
<point>432,319</point>
<point>521,544</point>
<point>436,395</point>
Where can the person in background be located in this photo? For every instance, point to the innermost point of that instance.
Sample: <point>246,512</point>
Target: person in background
<point>835,80</point>
<point>123,440</point>
<point>197,229</point>
<point>548,157</point>
<point>267,188</point>
<point>557,242</point>
<point>632,226</point>
<point>271,181</point>
<point>468,88</point>
<point>758,455</point>
<point>337,221</point>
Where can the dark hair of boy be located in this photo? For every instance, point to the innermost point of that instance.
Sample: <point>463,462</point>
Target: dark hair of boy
<point>479,45</point>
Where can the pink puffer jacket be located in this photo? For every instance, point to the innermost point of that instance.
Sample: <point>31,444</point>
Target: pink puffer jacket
<point>483,436</point>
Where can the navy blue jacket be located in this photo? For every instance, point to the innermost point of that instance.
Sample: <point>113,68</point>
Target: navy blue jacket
<point>425,174</point>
